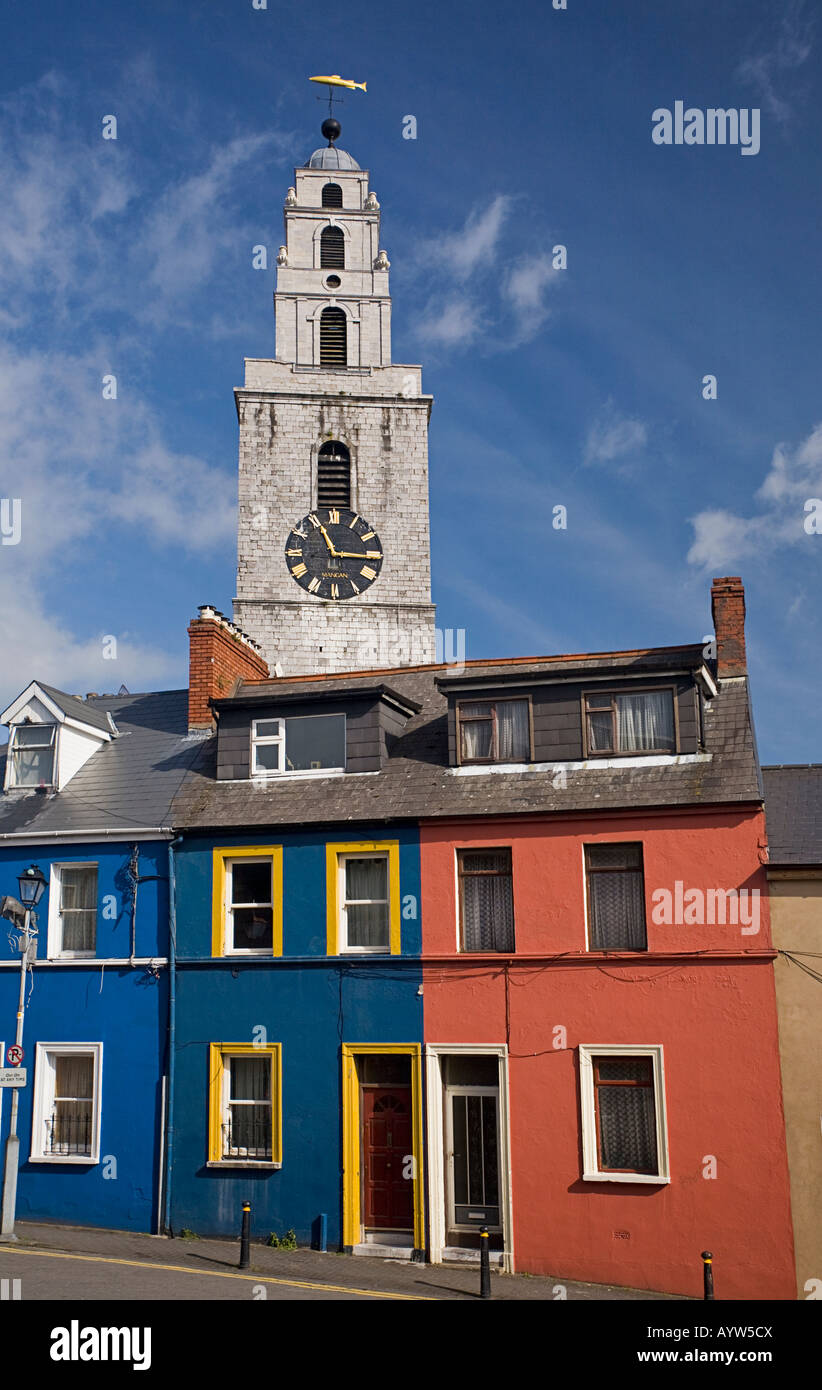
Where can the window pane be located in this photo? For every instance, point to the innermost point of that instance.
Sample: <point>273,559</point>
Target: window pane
<point>74,1077</point>
<point>251,882</point>
<point>314,741</point>
<point>33,767</point>
<point>266,757</point>
<point>625,1069</point>
<point>253,928</point>
<point>367,925</point>
<point>477,739</point>
<point>250,1078</point>
<point>599,732</point>
<point>513,730</point>
<point>617,911</point>
<point>366,879</point>
<point>614,856</point>
<point>627,1128</point>
<point>645,721</point>
<point>475,1160</point>
<point>267,728</point>
<point>487,903</point>
<point>78,888</point>
<point>33,735</point>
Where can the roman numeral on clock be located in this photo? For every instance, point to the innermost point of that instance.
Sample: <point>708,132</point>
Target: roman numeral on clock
<point>293,552</point>
<point>335,591</point>
<point>366,535</point>
<point>333,517</point>
<point>299,570</point>
<point>314,586</point>
<point>368,573</point>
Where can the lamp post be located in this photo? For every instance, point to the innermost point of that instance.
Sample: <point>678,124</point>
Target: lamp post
<point>32,884</point>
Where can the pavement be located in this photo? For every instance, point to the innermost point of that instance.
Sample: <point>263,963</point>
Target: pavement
<point>83,1263</point>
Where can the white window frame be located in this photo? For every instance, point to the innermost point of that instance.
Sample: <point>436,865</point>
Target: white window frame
<point>229,949</point>
<point>590,1156</point>
<point>11,779</point>
<point>279,740</point>
<point>44,1075</point>
<point>342,924</point>
<point>55,918</point>
<point>232,1156</point>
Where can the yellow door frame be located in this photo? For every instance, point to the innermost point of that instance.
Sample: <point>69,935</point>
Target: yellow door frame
<point>352,1121</point>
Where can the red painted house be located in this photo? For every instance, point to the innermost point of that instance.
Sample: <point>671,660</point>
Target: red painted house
<point>603,1083</point>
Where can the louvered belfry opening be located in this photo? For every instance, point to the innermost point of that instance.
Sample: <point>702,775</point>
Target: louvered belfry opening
<point>333,475</point>
<point>332,249</point>
<point>332,195</point>
<point>333,345</point>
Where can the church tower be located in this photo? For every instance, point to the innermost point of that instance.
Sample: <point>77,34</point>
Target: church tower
<point>334,568</point>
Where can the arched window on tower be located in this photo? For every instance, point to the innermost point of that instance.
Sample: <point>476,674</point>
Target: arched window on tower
<point>333,475</point>
<point>333,344</point>
<point>332,248</point>
<point>332,195</point>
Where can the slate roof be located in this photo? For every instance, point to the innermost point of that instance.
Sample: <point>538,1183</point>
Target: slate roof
<point>128,784</point>
<point>793,812</point>
<point>85,711</point>
<point>416,781</point>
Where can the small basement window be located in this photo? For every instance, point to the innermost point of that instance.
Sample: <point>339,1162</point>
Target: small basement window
<point>302,743</point>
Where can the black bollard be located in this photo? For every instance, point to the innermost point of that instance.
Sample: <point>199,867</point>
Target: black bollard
<point>708,1274</point>
<point>245,1237</point>
<point>485,1264</point>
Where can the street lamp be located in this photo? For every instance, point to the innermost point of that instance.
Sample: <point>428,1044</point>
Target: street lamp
<point>32,884</point>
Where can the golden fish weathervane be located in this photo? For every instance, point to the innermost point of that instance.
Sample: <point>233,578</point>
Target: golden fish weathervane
<point>337,81</point>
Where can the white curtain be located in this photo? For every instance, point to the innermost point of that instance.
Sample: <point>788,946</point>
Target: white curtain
<point>477,728</point>
<point>645,721</point>
<point>513,732</point>
<point>78,908</point>
<point>366,902</point>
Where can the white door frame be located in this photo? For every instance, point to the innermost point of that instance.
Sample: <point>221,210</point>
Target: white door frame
<point>437,1194</point>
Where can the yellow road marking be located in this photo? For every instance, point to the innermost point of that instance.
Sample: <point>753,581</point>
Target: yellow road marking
<point>219,1274</point>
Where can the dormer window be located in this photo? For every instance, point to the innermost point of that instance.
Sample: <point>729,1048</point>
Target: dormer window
<point>494,731</point>
<point>31,753</point>
<point>304,743</point>
<point>640,722</point>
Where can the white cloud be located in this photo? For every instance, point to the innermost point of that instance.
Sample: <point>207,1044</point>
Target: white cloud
<point>456,322</point>
<point>768,71</point>
<point>526,286</point>
<point>723,537</point>
<point>613,436</point>
<point>472,248</point>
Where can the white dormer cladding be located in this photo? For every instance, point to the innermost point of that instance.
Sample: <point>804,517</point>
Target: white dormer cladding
<point>72,740</point>
<point>305,288</point>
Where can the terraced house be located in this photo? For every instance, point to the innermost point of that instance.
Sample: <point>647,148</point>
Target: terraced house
<point>423,985</point>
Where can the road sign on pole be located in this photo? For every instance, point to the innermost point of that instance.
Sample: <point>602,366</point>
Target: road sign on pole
<point>14,1055</point>
<point>12,1076</point>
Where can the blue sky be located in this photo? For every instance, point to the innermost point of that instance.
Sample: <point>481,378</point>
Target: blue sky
<point>580,387</point>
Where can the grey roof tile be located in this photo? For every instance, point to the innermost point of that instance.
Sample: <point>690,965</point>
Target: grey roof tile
<point>793,814</point>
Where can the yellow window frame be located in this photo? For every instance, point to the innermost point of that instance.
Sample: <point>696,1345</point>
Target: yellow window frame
<point>218,893</point>
<point>332,863</point>
<point>217,1052</point>
<point>352,1136</point>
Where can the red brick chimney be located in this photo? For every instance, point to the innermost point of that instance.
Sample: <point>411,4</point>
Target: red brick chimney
<point>218,653</point>
<point>728,609</point>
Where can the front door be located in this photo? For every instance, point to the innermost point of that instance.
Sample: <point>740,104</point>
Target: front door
<point>388,1190</point>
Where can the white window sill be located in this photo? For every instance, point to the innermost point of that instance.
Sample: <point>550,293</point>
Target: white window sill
<point>584,765</point>
<point>84,1159</point>
<point>654,1178</point>
<point>242,1163</point>
<point>265,777</point>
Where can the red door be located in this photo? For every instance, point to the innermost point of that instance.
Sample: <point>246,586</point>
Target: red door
<point>388,1197</point>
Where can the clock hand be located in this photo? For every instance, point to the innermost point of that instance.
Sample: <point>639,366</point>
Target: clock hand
<point>328,540</point>
<point>358,555</point>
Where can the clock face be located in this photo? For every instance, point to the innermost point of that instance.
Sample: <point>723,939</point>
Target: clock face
<point>333,553</point>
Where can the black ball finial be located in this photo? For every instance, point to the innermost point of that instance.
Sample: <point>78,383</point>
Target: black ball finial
<point>331,129</point>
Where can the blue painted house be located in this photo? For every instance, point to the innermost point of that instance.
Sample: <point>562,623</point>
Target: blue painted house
<point>297,1013</point>
<point>86,789</point>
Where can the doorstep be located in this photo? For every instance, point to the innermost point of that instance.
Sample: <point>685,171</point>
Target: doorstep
<point>455,1254</point>
<point>385,1252</point>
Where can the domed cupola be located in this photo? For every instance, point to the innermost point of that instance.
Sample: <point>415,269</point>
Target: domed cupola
<point>329,157</point>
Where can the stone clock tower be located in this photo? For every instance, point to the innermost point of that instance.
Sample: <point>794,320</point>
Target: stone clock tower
<point>333,568</point>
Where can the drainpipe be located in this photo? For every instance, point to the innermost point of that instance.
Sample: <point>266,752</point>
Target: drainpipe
<point>172,1021</point>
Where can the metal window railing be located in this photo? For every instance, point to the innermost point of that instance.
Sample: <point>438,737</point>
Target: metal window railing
<point>68,1134</point>
<point>244,1137</point>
